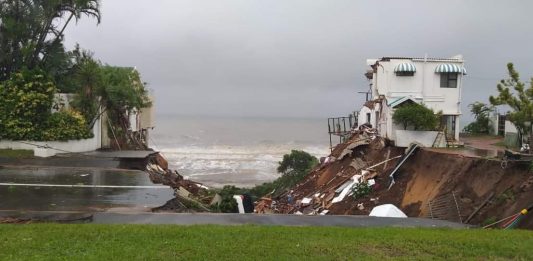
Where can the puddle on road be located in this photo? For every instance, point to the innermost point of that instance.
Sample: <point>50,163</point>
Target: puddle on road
<point>78,199</point>
<point>471,151</point>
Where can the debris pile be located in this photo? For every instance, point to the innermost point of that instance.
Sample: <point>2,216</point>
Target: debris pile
<point>362,162</point>
<point>190,196</point>
<point>366,171</point>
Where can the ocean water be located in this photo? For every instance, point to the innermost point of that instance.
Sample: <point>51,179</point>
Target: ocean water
<point>236,151</point>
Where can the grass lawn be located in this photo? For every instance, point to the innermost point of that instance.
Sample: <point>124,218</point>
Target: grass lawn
<point>110,242</point>
<point>9,153</point>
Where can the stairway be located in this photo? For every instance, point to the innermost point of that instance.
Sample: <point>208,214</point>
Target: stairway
<point>438,139</point>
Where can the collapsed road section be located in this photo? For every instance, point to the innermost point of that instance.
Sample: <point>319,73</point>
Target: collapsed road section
<point>190,196</point>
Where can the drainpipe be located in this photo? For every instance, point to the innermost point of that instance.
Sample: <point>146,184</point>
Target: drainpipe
<point>424,77</point>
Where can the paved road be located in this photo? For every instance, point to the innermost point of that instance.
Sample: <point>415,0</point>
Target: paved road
<point>232,219</point>
<point>95,159</point>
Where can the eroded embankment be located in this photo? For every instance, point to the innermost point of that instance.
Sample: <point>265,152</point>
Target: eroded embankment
<point>475,183</point>
<point>429,184</point>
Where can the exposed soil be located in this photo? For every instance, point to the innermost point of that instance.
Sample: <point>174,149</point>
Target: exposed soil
<point>473,180</point>
<point>426,175</point>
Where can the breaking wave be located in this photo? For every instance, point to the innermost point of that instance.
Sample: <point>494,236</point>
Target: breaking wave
<point>228,164</point>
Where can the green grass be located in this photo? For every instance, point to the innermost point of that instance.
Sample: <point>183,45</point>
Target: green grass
<point>136,242</point>
<point>10,153</point>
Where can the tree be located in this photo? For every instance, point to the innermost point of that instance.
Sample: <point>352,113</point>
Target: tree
<point>117,91</point>
<point>416,115</point>
<point>86,78</point>
<point>293,168</point>
<point>513,93</point>
<point>297,162</point>
<point>31,33</point>
<point>27,98</point>
<point>481,113</point>
<point>25,110</point>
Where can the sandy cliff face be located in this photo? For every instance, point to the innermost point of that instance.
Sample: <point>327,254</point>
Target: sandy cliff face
<point>473,181</point>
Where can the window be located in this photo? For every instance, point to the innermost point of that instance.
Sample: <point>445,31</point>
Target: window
<point>405,73</point>
<point>448,80</point>
<point>368,117</point>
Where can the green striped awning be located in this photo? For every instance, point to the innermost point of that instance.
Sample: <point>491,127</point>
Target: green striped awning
<point>450,68</point>
<point>405,67</point>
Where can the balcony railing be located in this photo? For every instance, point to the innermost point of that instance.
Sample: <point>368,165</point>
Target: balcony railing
<point>341,127</point>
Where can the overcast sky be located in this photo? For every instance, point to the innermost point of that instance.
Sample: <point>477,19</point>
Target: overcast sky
<point>299,58</point>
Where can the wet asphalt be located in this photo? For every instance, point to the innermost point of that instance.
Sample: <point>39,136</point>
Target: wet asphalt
<point>228,219</point>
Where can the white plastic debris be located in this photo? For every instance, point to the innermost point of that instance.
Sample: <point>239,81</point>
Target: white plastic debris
<point>240,205</point>
<point>347,189</point>
<point>306,201</point>
<point>387,210</point>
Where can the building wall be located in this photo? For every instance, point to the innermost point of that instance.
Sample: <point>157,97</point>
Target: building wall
<point>406,137</point>
<point>511,137</point>
<point>424,84</point>
<point>363,118</point>
<point>51,148</point>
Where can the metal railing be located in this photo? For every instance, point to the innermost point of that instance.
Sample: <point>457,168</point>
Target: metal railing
<point>341,126</point>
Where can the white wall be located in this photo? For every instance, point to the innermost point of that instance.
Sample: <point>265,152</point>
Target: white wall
<point>55,147</point>
<point>362,118</point>
<point>406,137</point>
<point>424,84</point>
<point>510,128</point>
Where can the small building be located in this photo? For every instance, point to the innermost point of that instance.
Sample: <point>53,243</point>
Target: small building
<point>141,122</point>
<point>435,82</point>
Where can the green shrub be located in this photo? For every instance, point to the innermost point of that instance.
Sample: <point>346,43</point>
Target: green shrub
<point>293,168</point>
<point>27,98</point>
<point>417,116</point>
<point>228,204</point>
<point>66,125</point>
<point>482,122</point>
<point>25,111</point>
<point>361,190</point>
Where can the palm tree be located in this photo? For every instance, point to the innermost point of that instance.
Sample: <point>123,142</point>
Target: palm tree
<point>53,11</point>
<point>32,30</point>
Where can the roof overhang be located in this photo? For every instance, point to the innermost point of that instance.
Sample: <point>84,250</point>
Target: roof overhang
<point>402,100</point>
<point>405,67</point>
<point>450,68</point>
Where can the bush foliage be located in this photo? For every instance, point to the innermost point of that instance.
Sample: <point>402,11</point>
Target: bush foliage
<point>66,125</point>
<point>417,116</point>
<point>481,113</point>
<point>25,110</point>
<point>293,169</point>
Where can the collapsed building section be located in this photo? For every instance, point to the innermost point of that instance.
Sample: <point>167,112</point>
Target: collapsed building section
<point>190,196</point>
<point>421,182</point>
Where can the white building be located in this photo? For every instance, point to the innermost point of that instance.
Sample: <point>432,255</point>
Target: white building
<point>141,122</point>
<point>434,82</point>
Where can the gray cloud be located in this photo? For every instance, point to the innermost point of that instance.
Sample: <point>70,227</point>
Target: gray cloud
<point>298,58</point>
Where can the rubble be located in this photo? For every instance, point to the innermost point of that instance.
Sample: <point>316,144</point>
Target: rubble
<point>333,181</point>
<point>190,196</point>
